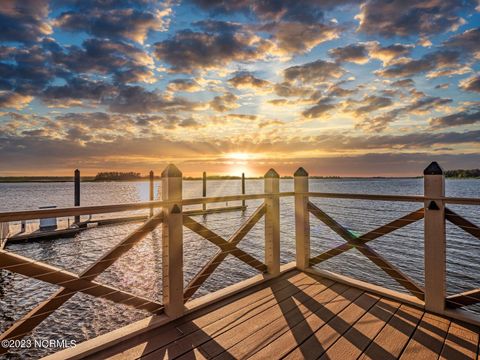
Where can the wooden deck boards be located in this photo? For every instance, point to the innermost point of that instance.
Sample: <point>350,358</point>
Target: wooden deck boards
<point>301,316</point>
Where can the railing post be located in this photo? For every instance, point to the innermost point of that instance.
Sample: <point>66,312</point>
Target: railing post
<point>272,222</point>
<point>152,185</point>
<point>172,242</point>
<point>302,219</point>
<point>434,239</point>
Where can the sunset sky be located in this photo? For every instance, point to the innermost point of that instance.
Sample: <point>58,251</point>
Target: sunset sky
<point>349,88</point>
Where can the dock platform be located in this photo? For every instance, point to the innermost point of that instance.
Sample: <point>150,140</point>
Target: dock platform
<point>299,316</point>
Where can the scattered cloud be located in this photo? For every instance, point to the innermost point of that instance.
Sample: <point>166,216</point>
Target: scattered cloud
<point>224,102</point>
<point>24,20</point>
<point>471,84</point>
<point>314,72</point>
<point>410,67</point>
<point>456,119</point>
<point>405,18</point>
<point>131,20</point>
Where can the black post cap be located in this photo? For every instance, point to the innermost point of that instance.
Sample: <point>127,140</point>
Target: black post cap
<point>171,171</point>
<point>301,172</point>
<point>271,174</point>
<point>433,169</point>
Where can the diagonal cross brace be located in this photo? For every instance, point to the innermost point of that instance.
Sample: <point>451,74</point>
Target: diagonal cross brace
<point>234,240</point>
<point>223,244</point>
<point>371,254</point>
<point>462,223</point>
<point>56,276</point>
<point>371,235</point>
<point>34,317</point>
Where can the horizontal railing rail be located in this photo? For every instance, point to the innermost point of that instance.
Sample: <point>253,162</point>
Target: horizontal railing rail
<point>113,208</point>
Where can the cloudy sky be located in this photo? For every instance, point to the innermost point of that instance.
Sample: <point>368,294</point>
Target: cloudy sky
<point>341,87</point>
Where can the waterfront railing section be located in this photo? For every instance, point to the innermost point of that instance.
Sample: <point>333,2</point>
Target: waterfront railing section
<point>169,215</point>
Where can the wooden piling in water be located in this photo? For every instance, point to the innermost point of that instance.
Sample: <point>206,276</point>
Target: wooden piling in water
<point>152,185</point>
<point>243,189</point>
<point>77,192</point>
<point>204,189</point>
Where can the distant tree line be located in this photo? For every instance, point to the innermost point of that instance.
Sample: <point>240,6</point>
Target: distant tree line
<point>117,176</point>
<point>472,173</point>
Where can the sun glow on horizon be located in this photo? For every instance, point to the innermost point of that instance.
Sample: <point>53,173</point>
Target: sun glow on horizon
<point>239,156</point>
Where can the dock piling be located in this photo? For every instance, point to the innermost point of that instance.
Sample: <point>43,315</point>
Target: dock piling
<point>243,190</point>
<point>77,192</point>
<point>204,189</point>
<point>152,185</point>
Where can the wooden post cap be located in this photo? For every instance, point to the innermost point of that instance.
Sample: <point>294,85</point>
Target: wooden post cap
<point>433,169</point>
<point>301,172</point>
<point>171,171</point>
<point>271,174</point>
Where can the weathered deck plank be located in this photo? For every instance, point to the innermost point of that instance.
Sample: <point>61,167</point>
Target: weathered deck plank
<point>461,342</point>
<point>393,338</point>
<point>299,333</point>
<point>361,334</point>
<point>322,339</point>
<point>427,340</point>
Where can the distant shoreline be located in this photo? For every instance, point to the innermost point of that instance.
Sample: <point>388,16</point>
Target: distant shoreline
<point>61,179</point>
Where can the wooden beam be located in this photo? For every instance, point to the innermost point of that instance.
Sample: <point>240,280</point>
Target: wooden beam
<point>56,276</point>
<point>462,223</point>
<point>463,299</point>
<point>224,245</point>
<point>371,235</point>
<point>34,317</point>
<point>102,209</point>
<point>212,265</point>
<point>371,254</point>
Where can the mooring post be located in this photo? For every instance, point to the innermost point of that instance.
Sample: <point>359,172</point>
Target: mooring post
<point>204,189</point>
<point>172,242</point>
<point>434,238</point>
<point>243,190</point>
<point>77,192</point>
<point>152,186</point>
<point>302,219</point>
<point>272,222</point>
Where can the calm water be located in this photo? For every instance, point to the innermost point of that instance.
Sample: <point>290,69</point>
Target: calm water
<point>139,271</point>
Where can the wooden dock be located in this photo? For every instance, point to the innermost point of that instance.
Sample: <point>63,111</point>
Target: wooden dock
<point>289,311</point>
<point>297,316</point>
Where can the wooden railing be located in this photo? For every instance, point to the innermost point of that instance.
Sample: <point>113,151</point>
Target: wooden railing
<point>170,215</point>
<point>435,214</point>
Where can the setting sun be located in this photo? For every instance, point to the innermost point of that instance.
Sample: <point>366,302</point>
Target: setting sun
<point>239,156</point>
